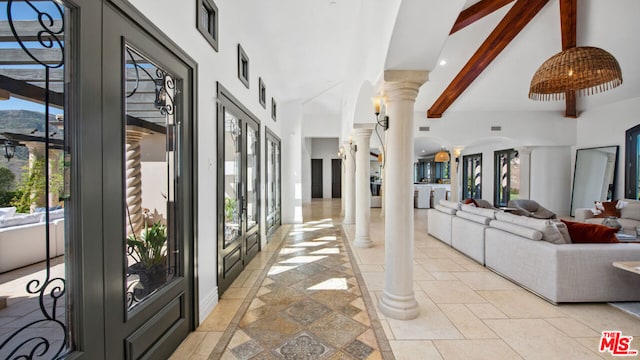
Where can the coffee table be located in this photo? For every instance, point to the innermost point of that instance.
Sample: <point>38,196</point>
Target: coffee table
<point>631,266</point>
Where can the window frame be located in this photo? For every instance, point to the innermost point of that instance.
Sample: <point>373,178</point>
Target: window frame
<point>274,109</point>
<point>466,191</point>
<point>206,32</point>
<point>243,58</point>
<point>631,163</point>
<point>496,179</point>
<point>262,93</point>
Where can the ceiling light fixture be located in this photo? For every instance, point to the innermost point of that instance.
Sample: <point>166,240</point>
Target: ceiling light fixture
<point>585,70</point>
<point>443,62</point>
<point>442,156</point>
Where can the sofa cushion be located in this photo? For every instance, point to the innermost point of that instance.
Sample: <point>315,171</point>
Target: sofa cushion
<point>445,210</point>
<point>582,233</point>
<point>517,230</point>
<point>564,231</point>
<point>609,209</point>
<point>7,211</point>
<point>631,212</point>
<point>479,211</point>
<point>548,228</point>
<point>450,204</point>
<point>20,219</point>
<point>474,217</point>
<point>481,203</point>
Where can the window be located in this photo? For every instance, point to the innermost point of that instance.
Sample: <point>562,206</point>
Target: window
<point>273,109</point>
<point>507,176</point>
<point>207,21</point>
<point>472,176</point>
<point>262,93</point>
<point>632,173</point>
<point>243,66</point>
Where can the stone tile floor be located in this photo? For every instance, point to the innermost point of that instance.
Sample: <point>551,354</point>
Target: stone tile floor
<point>466,311</point>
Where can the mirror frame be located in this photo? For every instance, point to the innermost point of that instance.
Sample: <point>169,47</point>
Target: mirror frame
<point>615,174</point>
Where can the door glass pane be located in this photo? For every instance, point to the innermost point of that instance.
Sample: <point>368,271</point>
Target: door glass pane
<point>151,160</point>
<point>35,187</point>
<point>270,181</point>
<point>252,177</point>
<point>232,178</point>
<point>477,178</point>
<point>637,167</point>
<point>278,182</point>
<point>514,176</point>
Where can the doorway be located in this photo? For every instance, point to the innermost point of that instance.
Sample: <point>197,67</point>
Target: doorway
<point>336,178</point>
<point>316,179</point>
<point>238,188</point>
<point>272,186</point>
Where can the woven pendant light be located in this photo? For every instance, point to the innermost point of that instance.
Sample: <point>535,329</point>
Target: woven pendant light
<point>585,70</point>
<point>442,156</point>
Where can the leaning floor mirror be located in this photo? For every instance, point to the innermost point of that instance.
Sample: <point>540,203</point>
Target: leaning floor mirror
<point>594,177</point>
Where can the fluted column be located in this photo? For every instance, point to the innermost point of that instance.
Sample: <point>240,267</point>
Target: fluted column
<point>135,222</point>
<point>342,176</point>
<point>398,299</point>
<point>349,185</point>
<point>363,188</point>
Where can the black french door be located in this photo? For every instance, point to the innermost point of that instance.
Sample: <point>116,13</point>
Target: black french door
<point>148,215</point>
<point>238,188</point>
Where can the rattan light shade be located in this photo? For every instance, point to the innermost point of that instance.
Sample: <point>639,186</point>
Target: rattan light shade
<point>585,70</point>
<point>441,156</point>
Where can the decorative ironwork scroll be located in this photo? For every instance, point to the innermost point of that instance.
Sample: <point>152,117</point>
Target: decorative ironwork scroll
<point>164,85</point>
<point>45,338</point>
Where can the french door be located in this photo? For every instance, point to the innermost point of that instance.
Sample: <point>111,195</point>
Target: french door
<point>238,188</point>
<point>148,192</point>
<point>272,185</point>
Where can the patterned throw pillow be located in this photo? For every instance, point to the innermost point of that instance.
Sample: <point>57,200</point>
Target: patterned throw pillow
<point>607,208</point>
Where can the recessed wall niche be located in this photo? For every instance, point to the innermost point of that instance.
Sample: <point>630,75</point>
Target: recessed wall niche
<point>207,21</point>
<point>273,109</point>
<point>262,93</point>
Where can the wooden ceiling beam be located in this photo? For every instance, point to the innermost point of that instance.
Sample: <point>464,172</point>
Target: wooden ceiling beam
<point>514,21</point>
<point>476,12</point>
<point>568,25</point>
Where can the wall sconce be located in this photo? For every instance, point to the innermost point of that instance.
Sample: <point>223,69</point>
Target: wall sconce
<point>9,150</point>
<point>353,147</point>
<point>341,153</point>
<point>377,104</point>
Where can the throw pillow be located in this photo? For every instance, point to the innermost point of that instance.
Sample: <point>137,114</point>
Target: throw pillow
<point>583,233</point>
<point>631,211</point>
<point>609,209</point>
<point>470,201</point>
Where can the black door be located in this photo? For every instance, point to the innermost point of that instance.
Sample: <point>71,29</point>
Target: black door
<point>316,178</point>
<point>148,192</point>
<point>238,188</point>
<point>336,178</point>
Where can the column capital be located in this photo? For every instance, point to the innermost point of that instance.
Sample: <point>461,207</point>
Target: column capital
<point>403,84</point>
<point>362,132</point>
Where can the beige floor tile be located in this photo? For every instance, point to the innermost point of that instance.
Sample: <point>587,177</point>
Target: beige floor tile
<point>431,323</point>
<point>601,317</point>
<point>374,280</point>
<point>236,293</point>
<point>485,280</point>
<point>450,292</point>
<point>188,346</point>
<point>475,350</point>
<point>593,344</point>
<point>371,268</point>
<point>413,350</point>
<point>419,273</point>
<point>572,327</point>
<point>469,325</point>
<point>239,338</point>
<point>221,315</point>
<point>387,329</point>
<point>537,339</point>
<point>441,265</point>
<point>520,304</point>
<point>207,344</point>
<point>443,275</point>
<point>486,311</point>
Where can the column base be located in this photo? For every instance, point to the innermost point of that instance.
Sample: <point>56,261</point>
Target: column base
<point>399,307</point>
<point>348,221</point>
<point>363,242</point>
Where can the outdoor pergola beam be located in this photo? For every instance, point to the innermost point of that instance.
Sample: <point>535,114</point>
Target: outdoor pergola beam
<point>476,12</point>
<point>568,16</point>
<point>514,21</point>
<point>28,30</point>
<point>23,90</point>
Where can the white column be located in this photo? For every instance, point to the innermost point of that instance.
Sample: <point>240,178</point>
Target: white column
<point>524,153</point>
<point>453,174</point>
<point>398,300</point>
<point>342,182</point>
<point>349,185</point>
<point>363,188</point>
<point>135,222</point>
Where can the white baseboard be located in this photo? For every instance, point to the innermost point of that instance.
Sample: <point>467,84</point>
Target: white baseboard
<point>291,221</point>
<point>207,305</point>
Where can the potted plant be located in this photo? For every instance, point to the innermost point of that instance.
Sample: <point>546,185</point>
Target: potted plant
<point>150,252</point>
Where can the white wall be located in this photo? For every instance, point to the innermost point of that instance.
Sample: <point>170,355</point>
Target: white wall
<point>177,20</point>
<point>292,162</point>
<point>606,126</point>
<point>325,149</point>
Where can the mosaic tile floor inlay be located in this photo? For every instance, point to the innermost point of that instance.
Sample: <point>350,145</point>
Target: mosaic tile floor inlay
<point>308,303</point>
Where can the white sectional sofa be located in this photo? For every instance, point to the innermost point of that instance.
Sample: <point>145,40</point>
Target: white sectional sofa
<point>25,244</point>
<point>536,255</point>
<point>439,220</point>
<point>629,216</point>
